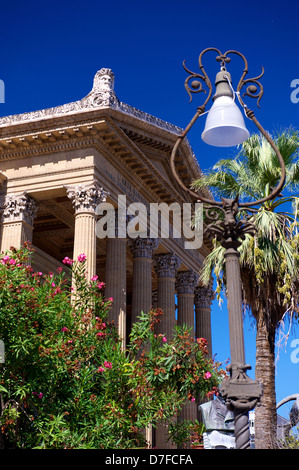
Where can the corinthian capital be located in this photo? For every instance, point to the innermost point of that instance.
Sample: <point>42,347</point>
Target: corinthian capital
<point>204,296</point>
<point>167,264</point>
<point>19,207</point>
<point>143,247</point>
<point>86,197</point>
<point>186,282</point>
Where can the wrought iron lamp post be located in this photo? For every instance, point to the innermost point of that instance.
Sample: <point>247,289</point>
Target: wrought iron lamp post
<point>230,220</point>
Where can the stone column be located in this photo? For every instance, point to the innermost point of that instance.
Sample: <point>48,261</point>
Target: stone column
<point>203,300</point>
<point>166,266</point>
<point>115,281</point>
<point>19,212</point>
<point>85,199</point>
<point>185,286</point>
<point>142,249</point>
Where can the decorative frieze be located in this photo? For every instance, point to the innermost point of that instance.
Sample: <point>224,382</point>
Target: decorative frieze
<point>86,197</point>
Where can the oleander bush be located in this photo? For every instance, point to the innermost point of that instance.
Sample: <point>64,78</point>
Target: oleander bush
<point>66,383</point>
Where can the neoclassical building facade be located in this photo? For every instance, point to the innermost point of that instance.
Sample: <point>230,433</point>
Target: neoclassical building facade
<point>59,164</point>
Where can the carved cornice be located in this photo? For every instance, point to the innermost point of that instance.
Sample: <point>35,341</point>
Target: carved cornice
<point>186,282</point>
<point>204,296</point>
<point>102,95</point>
<point>86,197</point>
<point>143,247</point>
<point>19,207</point>
<point>166,265</point>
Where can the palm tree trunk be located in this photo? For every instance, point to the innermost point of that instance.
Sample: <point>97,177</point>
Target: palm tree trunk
<point>265,413</point>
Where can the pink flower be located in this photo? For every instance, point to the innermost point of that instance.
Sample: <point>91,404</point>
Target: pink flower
<point>40,273</point>
<point>104,325</point>
<point>207,375</point>
<point>68,261</point>
<point>110,299</point>
<point>164,339</point>
<point>101,285</point>
<point>108,365</point>
<point>59,269</point>
<point>12,261</point>
<point>101,369</point>
<point>99,333</point>
<point>192,399</point>
<point>81,257</point>
<point>40,395</point>
<point>53,284</point>
<point>94,278</point>
<point>64,328</point>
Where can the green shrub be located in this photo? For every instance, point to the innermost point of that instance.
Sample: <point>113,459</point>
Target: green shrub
<point>67,383</point>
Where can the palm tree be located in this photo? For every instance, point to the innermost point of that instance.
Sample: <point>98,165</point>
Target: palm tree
<point>269,260</point>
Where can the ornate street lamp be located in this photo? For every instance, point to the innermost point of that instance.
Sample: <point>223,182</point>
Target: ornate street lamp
<point>229,219</point>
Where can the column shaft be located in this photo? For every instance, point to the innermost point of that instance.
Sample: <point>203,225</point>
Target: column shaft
<point>203,300</point>
<point>166,266</point>
<point>85,240</point>
<point>142,249</point>
<point>115,283</point>
<point>185,285</point>
<point>186,282</point>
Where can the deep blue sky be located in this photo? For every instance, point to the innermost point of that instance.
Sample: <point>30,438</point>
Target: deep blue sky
<point>50,52</point>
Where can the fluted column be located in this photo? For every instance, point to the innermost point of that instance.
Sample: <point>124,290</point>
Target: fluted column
<point>85,199</point>
<point>142,249</point>
<point>185,286</point>
<point>19,212</point>
<point>204,297</point>
<point>115,281</point>
<point>166,266</point>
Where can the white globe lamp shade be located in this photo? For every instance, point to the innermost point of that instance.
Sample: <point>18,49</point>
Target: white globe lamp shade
<point>225,125</point>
